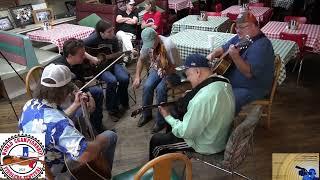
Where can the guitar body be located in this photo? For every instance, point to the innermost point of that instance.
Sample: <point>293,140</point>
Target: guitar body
<point>225,60</point>
<point>98,168</point>
<point>223,66</point>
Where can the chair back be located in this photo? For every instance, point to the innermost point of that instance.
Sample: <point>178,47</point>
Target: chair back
<point>213,13</point>
<point>240,139</point>
<point>218,7</point>
<point>299,19</point>
<point>276,74</point>
<point>267,17</point>
<point>232,17</point>
<point>162,166</point>
<point>233,28</point>
<point>300,39</point>
<point>33,76</point>
<point>256,4</point>
<point>17,48</point>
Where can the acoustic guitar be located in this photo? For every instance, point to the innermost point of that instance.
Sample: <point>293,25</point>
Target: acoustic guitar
<point>105,56</point>
<point>96,169</point>
<point>225,61</point>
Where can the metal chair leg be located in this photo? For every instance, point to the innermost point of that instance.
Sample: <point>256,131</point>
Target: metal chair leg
<point>301,62</point>
<point>295,65</point>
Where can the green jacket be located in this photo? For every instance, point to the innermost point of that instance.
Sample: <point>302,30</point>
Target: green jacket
<point>207,123</point>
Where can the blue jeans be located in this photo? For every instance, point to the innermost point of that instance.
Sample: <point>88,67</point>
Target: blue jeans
<point>116,95</point>
<point>154,82</point>
<point>110,146</point>
<point>96,116</point>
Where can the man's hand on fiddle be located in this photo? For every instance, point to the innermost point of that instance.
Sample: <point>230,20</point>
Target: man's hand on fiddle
<point>234,52</point>
<point>94,61</point>
<point>164,111</point>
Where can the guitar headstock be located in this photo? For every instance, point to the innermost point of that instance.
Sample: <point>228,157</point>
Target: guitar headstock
<point>244,42</point>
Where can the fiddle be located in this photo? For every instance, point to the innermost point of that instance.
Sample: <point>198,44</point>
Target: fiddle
<point>20,160</point>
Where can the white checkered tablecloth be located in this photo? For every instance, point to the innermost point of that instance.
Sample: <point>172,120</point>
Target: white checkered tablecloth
<point>60,33</point>
<point>273,29</point>
<point>195,41</point>
<point>214,23</point>
<point>258,12</point>
<point>286,4</point>
<point>178,5</point>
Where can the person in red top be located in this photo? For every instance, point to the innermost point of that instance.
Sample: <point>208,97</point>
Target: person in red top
<point>152,18</point>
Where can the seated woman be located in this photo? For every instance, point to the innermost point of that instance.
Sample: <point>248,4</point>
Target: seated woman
<point>152,18</point>
<point>43,115</point>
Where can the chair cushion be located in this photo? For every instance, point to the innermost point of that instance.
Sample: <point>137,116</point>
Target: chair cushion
<point>129,175</point>
<point>45,57</point>
<point>7,72</point>
<point>90,20</point>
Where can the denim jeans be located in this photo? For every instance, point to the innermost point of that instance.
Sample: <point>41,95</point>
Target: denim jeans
<point>154,82</point>
<point>116,93</point>
<point>96,116</point>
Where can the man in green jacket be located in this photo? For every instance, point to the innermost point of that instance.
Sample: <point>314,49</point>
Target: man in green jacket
<point>209,112</point>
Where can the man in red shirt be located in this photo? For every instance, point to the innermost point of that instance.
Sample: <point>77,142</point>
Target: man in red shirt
<point>152,18</point>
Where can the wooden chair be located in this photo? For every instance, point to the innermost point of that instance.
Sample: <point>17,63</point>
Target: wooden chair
<point>158,169</point>
<point>267,103</point>
<point>233,28</point>
<point>34,75</point>
<point>299,19</point>
<point>239,144</point>
<point>300,39</point>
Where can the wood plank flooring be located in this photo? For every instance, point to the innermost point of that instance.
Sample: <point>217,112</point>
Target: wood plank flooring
<point>295,127</point>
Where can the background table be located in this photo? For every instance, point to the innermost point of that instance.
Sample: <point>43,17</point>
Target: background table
<point>214,23</point>
<point>185,42</point>
<point>178,5</point>
<point>60,33</point>
<point>273,29</point>
<point>258,12</point>
<point>286,4</point>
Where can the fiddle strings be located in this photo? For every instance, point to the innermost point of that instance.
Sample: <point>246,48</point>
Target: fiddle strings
<point>33,158</point>
<point>101,72</point>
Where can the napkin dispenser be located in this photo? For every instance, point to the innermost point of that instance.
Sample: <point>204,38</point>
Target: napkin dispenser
<point>293,25</point>
<point>203,16</point>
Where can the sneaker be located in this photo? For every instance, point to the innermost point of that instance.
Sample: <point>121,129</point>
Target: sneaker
<point>142,121</point>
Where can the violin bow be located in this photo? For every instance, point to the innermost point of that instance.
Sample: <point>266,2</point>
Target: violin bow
<point>84,86</point>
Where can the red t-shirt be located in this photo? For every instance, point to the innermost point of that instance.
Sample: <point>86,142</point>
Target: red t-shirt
<point>154,17</point>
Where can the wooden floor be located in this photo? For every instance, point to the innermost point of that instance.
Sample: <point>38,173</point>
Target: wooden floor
<point>295,128</point>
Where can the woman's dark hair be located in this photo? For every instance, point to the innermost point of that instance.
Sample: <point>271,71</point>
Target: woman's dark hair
<point>102,26</point>
<point>71,46</point>
<point>153,4</point>
<point>52,94</point>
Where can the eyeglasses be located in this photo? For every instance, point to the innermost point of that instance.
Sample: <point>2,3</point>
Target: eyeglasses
<point>242,27</point>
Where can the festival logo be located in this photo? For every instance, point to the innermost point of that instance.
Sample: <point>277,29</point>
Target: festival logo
<point>22,156</point>
<point>295,166</point>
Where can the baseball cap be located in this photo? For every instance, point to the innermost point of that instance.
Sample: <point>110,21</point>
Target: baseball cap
<point>196,60</point>
<point>60,74</point>
<point>246,16</point>
<point>148,36</point>
<point>131,2</point>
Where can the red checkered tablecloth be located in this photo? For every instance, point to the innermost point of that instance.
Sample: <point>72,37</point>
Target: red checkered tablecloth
<point>258,12</point>
<point>273,29</point>
<point>178,5</point>
<point>60,33</point>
